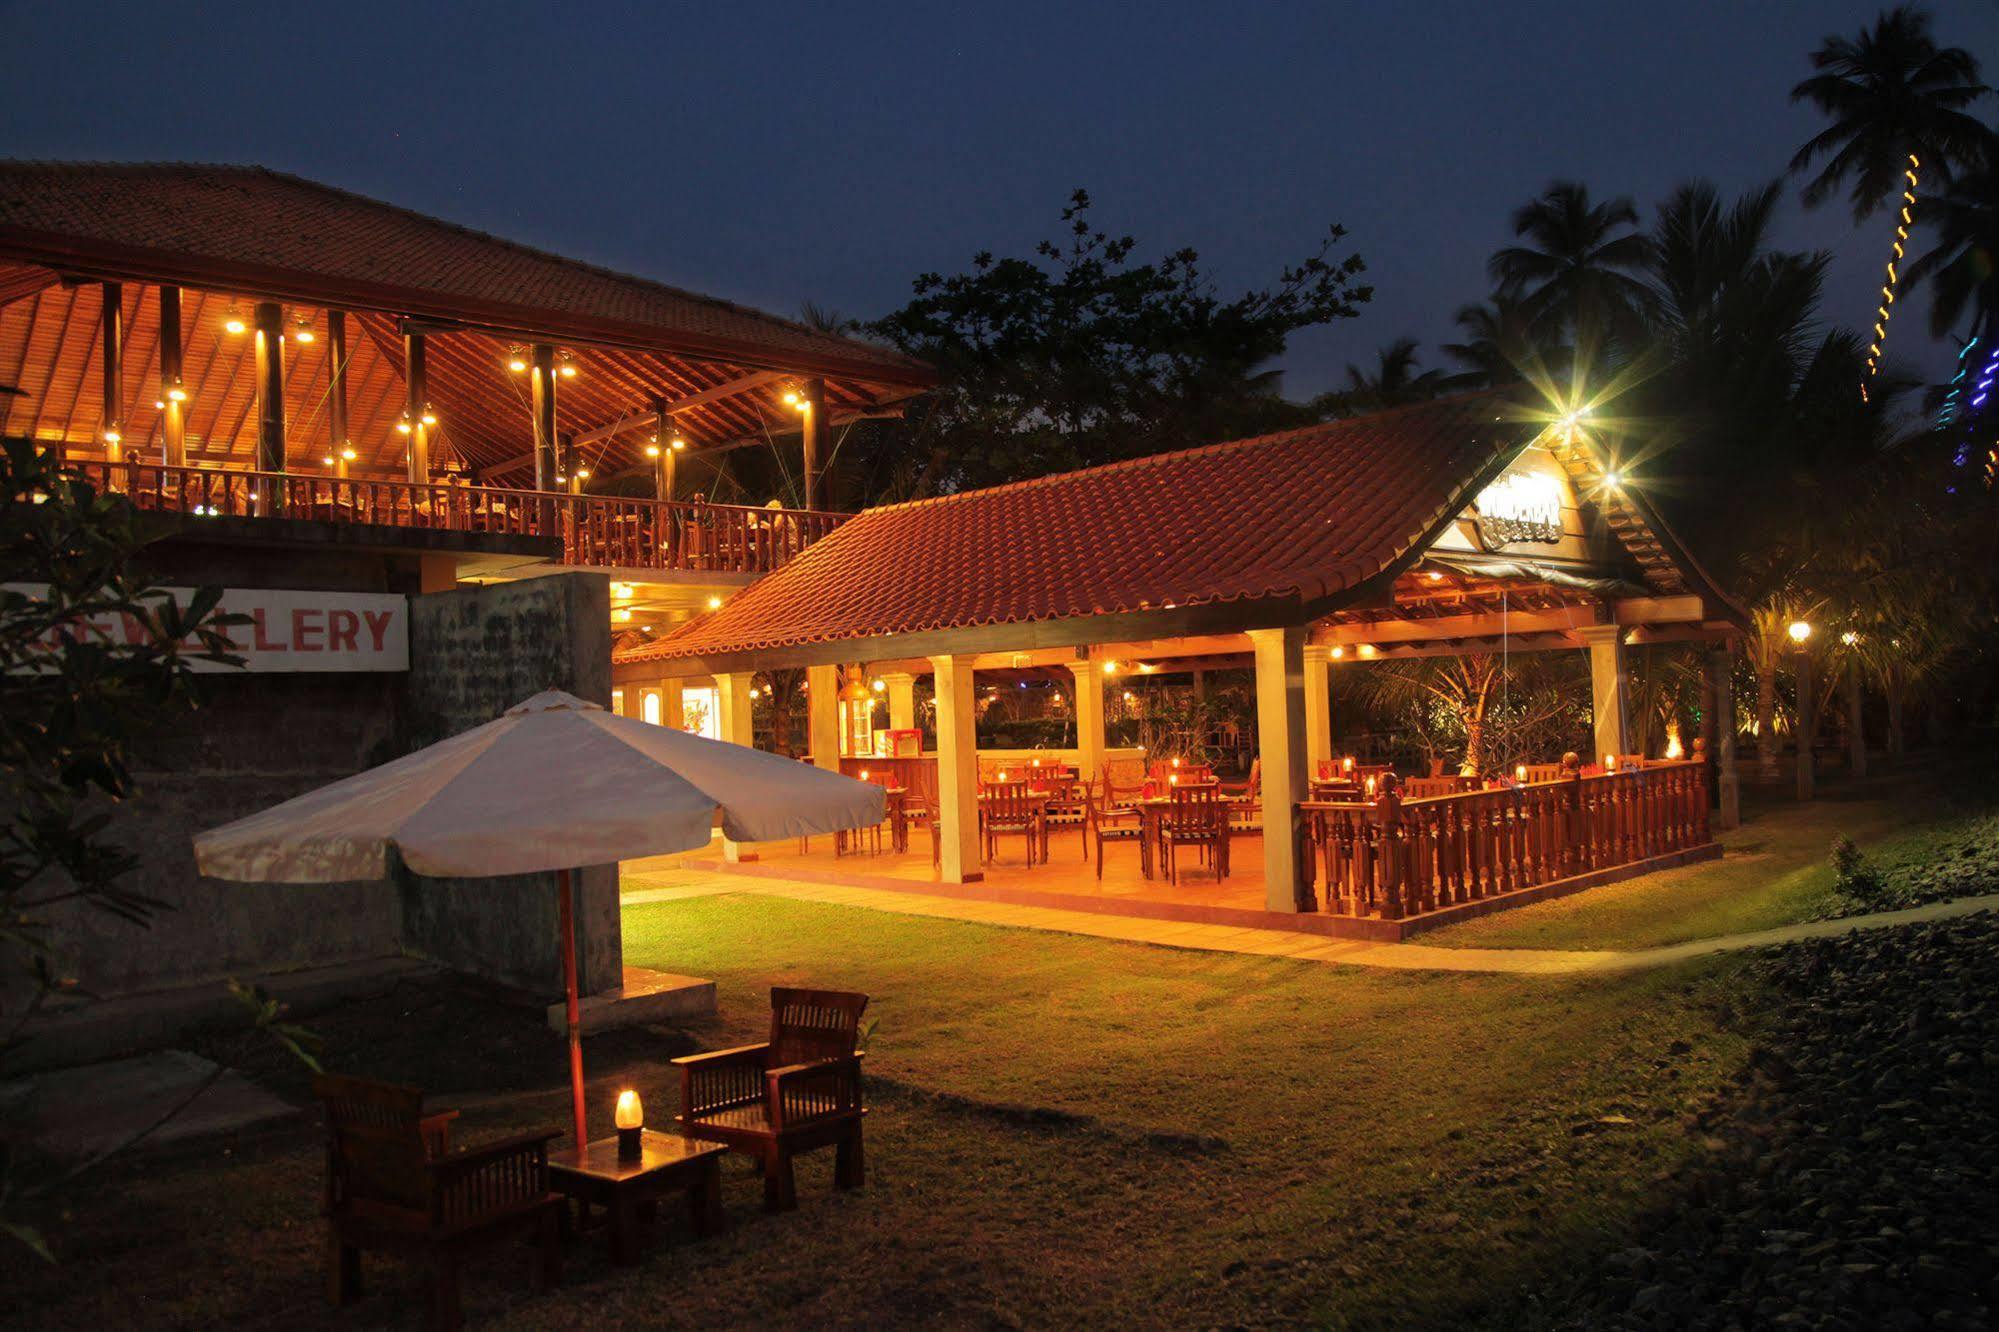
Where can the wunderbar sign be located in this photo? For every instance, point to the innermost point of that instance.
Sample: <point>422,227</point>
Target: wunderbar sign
<point>289,629</point>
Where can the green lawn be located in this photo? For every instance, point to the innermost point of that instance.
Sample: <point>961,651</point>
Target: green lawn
<point>1063,1130</point>
<point>1777,870</point>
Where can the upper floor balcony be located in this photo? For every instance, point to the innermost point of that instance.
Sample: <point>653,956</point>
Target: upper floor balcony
<point>598,532</point>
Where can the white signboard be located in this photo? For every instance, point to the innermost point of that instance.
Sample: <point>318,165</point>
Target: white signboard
<point>291,630</point>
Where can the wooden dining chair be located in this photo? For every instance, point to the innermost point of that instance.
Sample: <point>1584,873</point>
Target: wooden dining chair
<point>1106,822</point>
<point>1065,807</point>
<point>1009,808</point>
<point>1245,799</point>
<point>1196,817</point>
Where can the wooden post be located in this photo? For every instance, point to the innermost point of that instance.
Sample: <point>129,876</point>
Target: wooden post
<point>1280,729</point>
<point>672,707</point>
<point>822,716</point>
<point>173,416</point>
<point>1856,728</point>
<point>1606,677</point>
<point>541,388</point>
<point>571,463</point>
<point>338,443</point>
<point>111,427</point>
<point>1391,864</point>
<point>957,772</point>
<point>1728,783</point>
<point>416,378</point>
<point>1089,691</point>
<point>270,334</point>
<point>1318,706</point>
<point>1808,715</point>
<point>815,437</point>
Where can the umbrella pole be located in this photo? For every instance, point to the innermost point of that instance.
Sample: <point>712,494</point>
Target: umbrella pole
<point>568,913</point>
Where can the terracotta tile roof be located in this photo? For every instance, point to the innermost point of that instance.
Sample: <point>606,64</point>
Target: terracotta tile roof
<point>183,222</point>
<point>1307,513</point>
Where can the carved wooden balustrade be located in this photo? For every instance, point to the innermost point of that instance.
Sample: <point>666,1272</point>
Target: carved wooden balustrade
<point>595,531</point>
<point>1393,858</point>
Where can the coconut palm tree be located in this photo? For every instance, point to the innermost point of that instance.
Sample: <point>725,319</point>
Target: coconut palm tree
<point>1499,345</point>
<point>1393,381</point>
<point>1896,101</point>
<point>1890,92</point>
<point>1579,271</point>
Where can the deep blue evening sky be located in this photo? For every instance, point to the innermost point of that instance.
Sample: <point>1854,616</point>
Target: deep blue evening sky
<point>775,153</point>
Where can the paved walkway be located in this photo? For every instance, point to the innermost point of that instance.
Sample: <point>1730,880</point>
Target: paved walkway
<point>1269,943</point>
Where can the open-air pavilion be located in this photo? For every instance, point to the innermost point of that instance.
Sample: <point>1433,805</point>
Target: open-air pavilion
<point>1453,527</point>
<point>225,343</point>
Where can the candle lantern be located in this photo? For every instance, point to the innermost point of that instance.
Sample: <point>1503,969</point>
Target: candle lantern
<point>630,1118</point>
<point>857,715</point>
<point>1520,773</point>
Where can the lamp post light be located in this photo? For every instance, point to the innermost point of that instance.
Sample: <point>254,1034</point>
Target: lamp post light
<point>1801,635</point>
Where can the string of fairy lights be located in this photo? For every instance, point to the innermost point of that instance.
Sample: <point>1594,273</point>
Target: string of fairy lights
<point>1886,308</point>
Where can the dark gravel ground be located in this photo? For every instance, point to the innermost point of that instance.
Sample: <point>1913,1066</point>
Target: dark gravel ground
<point>1852,1177</point>
<point>1964,862</point>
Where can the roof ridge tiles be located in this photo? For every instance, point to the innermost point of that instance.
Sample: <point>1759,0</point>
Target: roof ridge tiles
<point>1176,455</point>
<point>830,340</point>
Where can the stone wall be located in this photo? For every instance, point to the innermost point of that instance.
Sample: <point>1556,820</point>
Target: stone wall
<point>474,653</point>
<point>258,739</point>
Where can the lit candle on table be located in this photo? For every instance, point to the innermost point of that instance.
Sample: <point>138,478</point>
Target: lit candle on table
<point>630,1117</point>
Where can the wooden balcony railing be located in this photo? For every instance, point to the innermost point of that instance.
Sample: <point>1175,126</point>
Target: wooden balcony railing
<point>596,531</point>
<point>1394,858</point>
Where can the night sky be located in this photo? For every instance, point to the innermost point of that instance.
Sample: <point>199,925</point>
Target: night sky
<point>775,153</point>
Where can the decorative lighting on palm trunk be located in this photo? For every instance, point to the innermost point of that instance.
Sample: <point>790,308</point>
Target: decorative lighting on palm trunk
<point>1907,219</point>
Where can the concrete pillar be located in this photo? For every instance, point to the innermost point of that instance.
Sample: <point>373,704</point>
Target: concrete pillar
<point>957,772</point>
<point>1318,707</point>
<point>732,702</point>
<point>1606,680</point>
<point>901,700</point>
<point>1089,693</point>
<point>1280,732</point>
<point>822,716</point>
<point>1856,729</point>
<point>1728,782</point>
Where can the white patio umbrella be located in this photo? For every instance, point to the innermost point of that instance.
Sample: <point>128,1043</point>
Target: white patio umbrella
<point>555,783</point>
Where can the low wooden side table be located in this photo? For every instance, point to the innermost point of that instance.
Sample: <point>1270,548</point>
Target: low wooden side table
<point>629,1191</point>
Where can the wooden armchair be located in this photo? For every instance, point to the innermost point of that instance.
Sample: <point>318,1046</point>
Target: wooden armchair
<point>799,1090</point>
<point>1198,818</point>
<point>393,1183</point>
